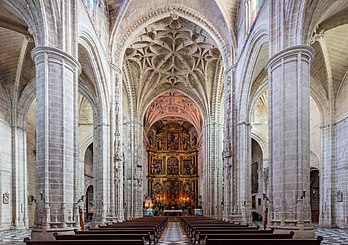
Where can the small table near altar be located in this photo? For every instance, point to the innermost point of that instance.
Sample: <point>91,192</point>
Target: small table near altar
<point>174,212</point>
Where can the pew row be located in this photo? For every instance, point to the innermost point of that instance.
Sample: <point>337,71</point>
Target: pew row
<point>148,233</point>
<point>28,241</point>
<point>209,241</point>
<point>100,236</point>
<point>245,235</point>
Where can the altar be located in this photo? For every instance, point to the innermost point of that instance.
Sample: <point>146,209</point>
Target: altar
<point>174,212</point>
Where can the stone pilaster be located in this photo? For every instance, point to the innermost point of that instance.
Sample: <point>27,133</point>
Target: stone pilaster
<point>289,93</point>
<point>56,136</point>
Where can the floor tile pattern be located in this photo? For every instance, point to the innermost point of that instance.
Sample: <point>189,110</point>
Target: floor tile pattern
<point>14,237</point>
<point>332,236</point>
<point>174,235</point>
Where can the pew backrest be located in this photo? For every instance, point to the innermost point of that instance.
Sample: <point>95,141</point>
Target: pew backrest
<point>317,241</point>
<point>102,236</point>
<point>28,241</point>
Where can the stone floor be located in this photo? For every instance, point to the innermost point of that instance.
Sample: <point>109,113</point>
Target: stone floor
<point>173,235</point>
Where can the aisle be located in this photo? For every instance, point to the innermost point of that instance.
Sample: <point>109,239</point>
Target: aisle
<point>173,234</point>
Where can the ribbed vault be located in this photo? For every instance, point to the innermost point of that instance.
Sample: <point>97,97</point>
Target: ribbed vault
<point>173,107</point>
<point>175,53</point>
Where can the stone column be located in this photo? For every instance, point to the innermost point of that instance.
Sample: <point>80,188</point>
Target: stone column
<point>56,135</point>
<point>212,170</point>
<point>133,169</point>
<point>228,142</point>
<point>327,217</point>
<point>232,186</point>
<point>242,203</point>
<point>101,171</point>
<point>289,78</point>
<point>19,173</point>
<point>219,169</point>
<point>118,159</point>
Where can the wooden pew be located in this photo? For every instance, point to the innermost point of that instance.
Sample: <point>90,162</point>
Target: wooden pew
<point>28,241</point>
<point>100,236</point>
<point>193,232</point>
<point>153,236</point>
<point>197,234</point>
<point>226,236</point>
<point>189,223</point>
<point>317,241</point>
<point>157,223</point>
<point>153,225</point>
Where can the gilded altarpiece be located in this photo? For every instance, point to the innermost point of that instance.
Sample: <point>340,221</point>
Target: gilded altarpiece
<point>172,177</point>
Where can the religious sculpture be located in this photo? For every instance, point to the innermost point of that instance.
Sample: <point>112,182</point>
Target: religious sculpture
<point>189,167</point>
<point>173,142</point>
<point>173,166</point>
<point>156,167</point>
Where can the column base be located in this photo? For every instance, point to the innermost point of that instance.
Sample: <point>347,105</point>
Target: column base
<point>40,234</point>
<point>18,226</point>
<point>300,232</point>
<point>341,226</point>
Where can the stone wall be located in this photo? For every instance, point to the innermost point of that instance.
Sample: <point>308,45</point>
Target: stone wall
<point>340,197</point>
<point>88,167</point>
<point>5,175</point>
<point>31,160</point>
<point>315,140</point>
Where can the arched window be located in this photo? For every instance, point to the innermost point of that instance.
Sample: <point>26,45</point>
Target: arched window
<point>92,7</point>
<point>252,8</point>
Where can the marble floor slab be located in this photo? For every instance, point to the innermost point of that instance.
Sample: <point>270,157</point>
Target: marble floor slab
<point>173,234</point>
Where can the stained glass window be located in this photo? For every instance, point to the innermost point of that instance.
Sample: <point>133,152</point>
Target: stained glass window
<point>252,8</point>
<point>92,7</point>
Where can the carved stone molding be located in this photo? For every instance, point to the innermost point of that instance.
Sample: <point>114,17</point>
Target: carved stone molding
<point>318,33</point>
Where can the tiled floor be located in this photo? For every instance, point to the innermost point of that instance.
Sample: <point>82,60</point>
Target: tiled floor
<point>13,237</point>
<point>173,235</point>
<point>332,236</point>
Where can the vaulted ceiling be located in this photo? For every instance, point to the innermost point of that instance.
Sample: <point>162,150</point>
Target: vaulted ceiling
<point>329,68</point>
<point>172,51</point>
<point>173,54</point>
<point>228,9</point>
<point>173,107</point>
<point>16,65</point>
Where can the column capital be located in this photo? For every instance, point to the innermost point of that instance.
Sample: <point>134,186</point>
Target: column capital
<point>318,34</point>
<point>40,54</point>
<point>292,51</point>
